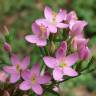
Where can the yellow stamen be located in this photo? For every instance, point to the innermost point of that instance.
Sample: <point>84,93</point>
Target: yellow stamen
<point>62,63</point>
<point>33,79</point>
<point>43,28</point>
<point>18,67</point>
<point>54,14</point>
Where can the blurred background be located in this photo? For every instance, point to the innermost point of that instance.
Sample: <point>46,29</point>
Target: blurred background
<point>18,15</point>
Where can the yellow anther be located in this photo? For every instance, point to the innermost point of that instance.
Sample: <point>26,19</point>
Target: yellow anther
<point>43,28</point>
<point>33,79</point>
<point>62,65</point>
<point>54,14</point>
<point>18,67</point>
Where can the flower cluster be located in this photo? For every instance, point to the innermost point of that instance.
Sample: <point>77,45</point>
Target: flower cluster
<point>62,62</point>
<point>32,78</point>
<point>61,57</point>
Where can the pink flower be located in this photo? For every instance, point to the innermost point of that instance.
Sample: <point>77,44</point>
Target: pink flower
<point>84,53</point>
<point>80,44</point>
<point>41,34</point>
<point>54,20</point>
<point>76,28</point>
<point>71,16</point>
<point>33,80</point>
<point>78,41</point>
<point>62,64</point>
<point>17,68</point>
<point>3,76</point>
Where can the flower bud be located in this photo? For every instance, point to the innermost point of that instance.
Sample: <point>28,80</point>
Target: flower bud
<point>84,53</point>
<point>52,47</point>
<point>7,47</point>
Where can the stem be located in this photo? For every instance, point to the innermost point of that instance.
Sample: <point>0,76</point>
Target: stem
<point>41,51</point>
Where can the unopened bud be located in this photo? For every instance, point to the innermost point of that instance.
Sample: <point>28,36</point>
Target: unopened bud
<point>7,47</point>
<point>52,47</point>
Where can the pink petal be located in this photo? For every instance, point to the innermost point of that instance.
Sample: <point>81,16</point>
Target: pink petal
<point>60,16</point>
<point>62,25</point>
<point>14,60</point>
<point>48,13</point>
<point>64,45</point>
<point>26,74</point>
<point>84,53</point>
<point>77,27</point>
<point>72,16</point>
<point>35,29</point>
<point>50,61</point>
<point>71,24</point>
<point>41,42</point>
<point>44,79</point>
<point>3,76</point>
<point>14,77</point>
<point>61,52</point>
<point>72,59</point>
<point>37,89</point>
<point>52,28</point>
<point>57,74</point>
<point>31,38</point>
<point>9,69</point>
<point>25,85</point>
<point>25,63</point>
<point>36,69</point>
<point>78,41</point>
<point>41,21</point>
<point>70,72</point>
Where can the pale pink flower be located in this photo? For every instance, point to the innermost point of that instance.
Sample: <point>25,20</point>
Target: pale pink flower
<point>3,76</point>
<point>55,20</point>
<point>71,16</point>
<point>41,34</point>
<point>33,80</point>
<point>76,28</point>
<point>62,64</point>
<point>17,68</point>
<point>80,45</point>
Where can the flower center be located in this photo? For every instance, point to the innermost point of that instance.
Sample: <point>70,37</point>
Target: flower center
<point>66,22</point>
<point>18,67</point>
<point>33,79</point>
<point>43,28</point>
<point>54,14</point>
<point>43,31</point>
<point>62,63</point>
